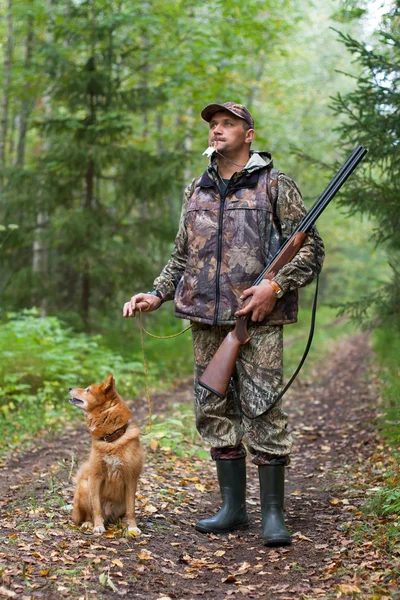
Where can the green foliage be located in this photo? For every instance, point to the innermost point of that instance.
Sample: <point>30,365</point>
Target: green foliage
<point>377,307</point>
<point>386,502</point>
<point>349,11</point>
<point>110,95</point>
<point>5,232</point>
<point>108,130</point>
<point>370,117</point>
<point>41,359</point>
<point>328,329</point>
<point>295,112</point>
<point>386,344</point>
<point>353,264</point>
<point>387,348</point>
<point>42,350</point>
<point>177,432</point>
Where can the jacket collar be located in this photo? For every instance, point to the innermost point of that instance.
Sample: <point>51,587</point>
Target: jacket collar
<point>247,178</point>
<point>259,160</point>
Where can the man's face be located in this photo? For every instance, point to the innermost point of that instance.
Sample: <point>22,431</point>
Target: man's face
<point>228,133</point>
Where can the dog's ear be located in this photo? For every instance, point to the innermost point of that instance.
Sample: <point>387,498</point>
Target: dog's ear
<point>109,383</point>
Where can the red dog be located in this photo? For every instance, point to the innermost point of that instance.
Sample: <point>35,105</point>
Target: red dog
<point>106,482</point>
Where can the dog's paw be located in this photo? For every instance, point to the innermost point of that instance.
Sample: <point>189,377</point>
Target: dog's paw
<point>134,531</point>
<point>99,529</point>
<point>87,525</point>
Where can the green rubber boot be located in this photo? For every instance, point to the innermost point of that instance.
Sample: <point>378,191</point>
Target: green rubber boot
<point>272,485</point>
<point>232,483</point>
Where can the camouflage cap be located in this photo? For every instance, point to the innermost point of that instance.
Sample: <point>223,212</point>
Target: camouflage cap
<point>236,109</point>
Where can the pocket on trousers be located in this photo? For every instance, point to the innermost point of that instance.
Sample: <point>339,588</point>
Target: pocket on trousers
<point>258,400</point>
<point>204,397</point>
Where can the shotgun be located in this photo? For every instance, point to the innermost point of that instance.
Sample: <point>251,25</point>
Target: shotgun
<point>217,375</point>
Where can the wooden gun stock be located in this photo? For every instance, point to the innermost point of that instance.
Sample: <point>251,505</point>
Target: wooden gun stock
<point>218,373</point>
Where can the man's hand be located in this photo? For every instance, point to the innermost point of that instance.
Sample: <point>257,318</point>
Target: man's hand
<point>261,304</point>
<point>142,302</point>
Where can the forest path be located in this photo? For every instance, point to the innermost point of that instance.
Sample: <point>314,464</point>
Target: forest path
<point>332,418</point>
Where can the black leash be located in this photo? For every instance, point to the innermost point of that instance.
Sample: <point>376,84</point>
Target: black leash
<point>306,351</point>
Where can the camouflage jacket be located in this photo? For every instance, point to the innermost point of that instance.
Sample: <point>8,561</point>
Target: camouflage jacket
<point>224,242</point>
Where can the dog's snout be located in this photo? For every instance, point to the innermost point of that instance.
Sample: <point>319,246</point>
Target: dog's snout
<point>70,389</point>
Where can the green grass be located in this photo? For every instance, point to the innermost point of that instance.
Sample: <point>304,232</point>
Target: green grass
<point>177,432</point>
<point>386,343</point>
<point>41,358</point>
<point>387,501</point>
<point>328,330</point>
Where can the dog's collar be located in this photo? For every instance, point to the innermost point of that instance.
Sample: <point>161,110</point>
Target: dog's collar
<point>111,437</point>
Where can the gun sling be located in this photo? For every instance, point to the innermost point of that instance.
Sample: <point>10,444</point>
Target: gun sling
<point>217,375</point>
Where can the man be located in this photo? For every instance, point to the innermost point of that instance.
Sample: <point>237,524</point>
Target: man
<point>234,218</point>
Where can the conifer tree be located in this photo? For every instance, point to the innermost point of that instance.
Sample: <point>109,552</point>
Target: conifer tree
<point>371,114</point>
<point>97,174</point>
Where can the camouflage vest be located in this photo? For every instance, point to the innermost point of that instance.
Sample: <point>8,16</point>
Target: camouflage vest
<point>229,243</point>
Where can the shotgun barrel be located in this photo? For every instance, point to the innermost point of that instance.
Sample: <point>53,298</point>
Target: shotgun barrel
<point>217,375</point>
<point>322,202</point>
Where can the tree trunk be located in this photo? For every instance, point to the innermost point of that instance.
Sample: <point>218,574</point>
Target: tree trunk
<point>7,85</point>
<point>40,250</point>
<point>26,104</point>
<point>40,261</point>
<point>11,135</point>
<point>90,174</point>
<point>86,269</point>
<point>259,69</point>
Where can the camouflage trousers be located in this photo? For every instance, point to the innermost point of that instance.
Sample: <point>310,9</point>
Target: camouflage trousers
<point>223,423</point>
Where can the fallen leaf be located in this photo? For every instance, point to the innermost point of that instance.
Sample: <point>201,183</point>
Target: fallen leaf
<point>244,567</point>
<point>230,579</point>
<point>300,536</point>
<point>133,533</point>
<point>7,593</point>
<point>154,445</point>
<point>348,589</point>
<point>118,563</point>
<point>109,534</point>
<point>145,555</point>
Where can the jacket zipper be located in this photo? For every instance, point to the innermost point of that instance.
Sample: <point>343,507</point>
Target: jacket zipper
<point>219,252</point>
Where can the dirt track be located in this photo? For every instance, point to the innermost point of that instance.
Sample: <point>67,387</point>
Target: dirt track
<point>43,556</point>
